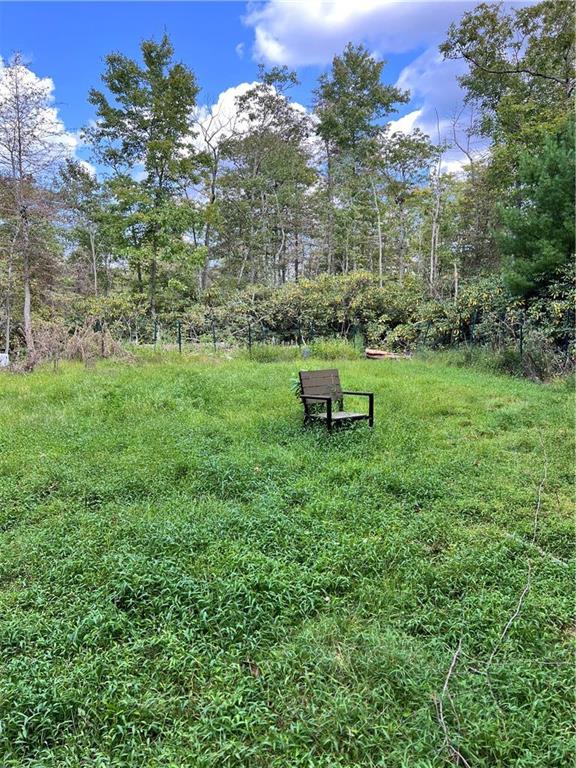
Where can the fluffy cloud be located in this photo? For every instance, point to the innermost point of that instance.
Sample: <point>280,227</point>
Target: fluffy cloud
<point>406,123</point>
<point>312,31</point>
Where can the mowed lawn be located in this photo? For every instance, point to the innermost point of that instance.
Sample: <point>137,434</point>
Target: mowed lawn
<point>189,578</point>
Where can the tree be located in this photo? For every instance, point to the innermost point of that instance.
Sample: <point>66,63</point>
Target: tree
<point>30,148</point>
<point>520,83</point>
<point>145,131</point>
<point>538,233</point>
<point>264,187</point>
<point>521,70</point>
<point>83,196</point>
<point>351,103</point>
<point>405,162</point>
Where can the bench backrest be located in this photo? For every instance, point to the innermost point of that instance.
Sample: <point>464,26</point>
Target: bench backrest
<point>325,383</point>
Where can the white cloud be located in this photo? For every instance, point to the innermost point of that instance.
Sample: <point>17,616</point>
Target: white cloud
<point>240,50</point>
<point>432,78</point>
<point>440,113</point>
<point>91,169</point>
<point>307,32</point>
<point>407,123</point>
<point>312,31</point>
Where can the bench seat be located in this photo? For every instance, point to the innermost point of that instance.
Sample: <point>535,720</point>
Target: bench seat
<point>339,415</point>
<point>320,391</point>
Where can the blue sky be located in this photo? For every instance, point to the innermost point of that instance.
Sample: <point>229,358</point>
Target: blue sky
<point>223,41</point>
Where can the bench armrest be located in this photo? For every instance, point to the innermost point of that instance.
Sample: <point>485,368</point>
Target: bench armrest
<point>321,398</point>
<point>370,396</point>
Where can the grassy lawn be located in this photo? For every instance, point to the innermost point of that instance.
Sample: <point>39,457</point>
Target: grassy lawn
<point>189,578</point>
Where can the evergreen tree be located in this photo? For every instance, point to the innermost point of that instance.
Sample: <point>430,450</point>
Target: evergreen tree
<point>538,234</point>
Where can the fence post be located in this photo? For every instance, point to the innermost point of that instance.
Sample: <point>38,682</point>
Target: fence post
<point>249,339</point>
<point>521,336</point>
<point>155,331</point>
<point>214,335</point>
<point>179,331</point>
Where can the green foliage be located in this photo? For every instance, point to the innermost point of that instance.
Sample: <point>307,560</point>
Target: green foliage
<point>190,578</point>
<point>538,232</point>
<point>521,67</point>
<point>148,122</point>
<point>356,235</point>
<point>351,99</point>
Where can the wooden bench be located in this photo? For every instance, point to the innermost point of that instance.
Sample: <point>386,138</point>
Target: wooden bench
<point>323,388</point>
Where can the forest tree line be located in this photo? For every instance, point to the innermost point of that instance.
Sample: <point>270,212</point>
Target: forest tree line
<point>195,210</point>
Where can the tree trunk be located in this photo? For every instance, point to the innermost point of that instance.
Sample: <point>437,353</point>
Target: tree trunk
<point>456,280</point>
<point>205,265</point>
<point>8,307</point>
<point>208,230</point>
<point>296,260</point>
<point>28,335</point>
<point>402,244</point>
<point>8,299</point>
<point>330,228</point>
<point>434,249</point>
<point>153,270</point>
<point>94,265</point>
<point>379,228</point>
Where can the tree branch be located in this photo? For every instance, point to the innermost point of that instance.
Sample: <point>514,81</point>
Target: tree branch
<point>514,71</point>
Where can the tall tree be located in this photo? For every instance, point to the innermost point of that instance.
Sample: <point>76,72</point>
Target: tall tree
<point>83,197</point>
<point>30,149</point>
<point>351,102</point>
<point>143,134</point>
<point>521,72</point>
<point>405,161</point>
<point>264,187</point>
<point>520,82</point>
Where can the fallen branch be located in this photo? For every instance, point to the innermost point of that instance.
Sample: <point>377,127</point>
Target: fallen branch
<point>511,620</point>
<point>455,755</point>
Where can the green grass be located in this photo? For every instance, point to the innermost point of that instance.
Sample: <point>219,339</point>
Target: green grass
<point>188,578</point>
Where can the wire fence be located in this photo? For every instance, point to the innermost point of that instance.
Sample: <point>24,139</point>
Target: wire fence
<point>510,333</point>
<point>183,335</point>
